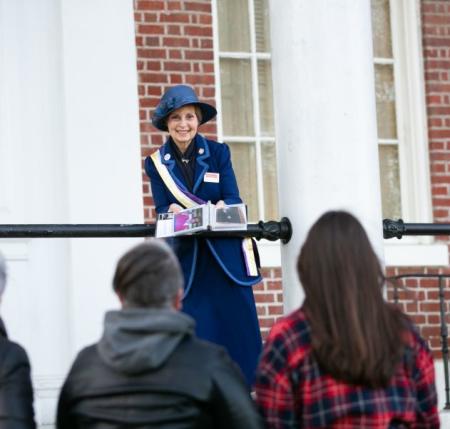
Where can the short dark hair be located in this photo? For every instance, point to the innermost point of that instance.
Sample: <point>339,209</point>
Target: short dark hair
<point>356,335</point>
<point>148,275</point>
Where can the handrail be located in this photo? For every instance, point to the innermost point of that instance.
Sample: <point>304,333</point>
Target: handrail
<point>398,228</point>
<point>271,230</point>
<point>443,326</point>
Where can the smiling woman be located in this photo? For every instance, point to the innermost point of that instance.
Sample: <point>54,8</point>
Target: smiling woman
<point>182,125</point>
<point>217,272</point>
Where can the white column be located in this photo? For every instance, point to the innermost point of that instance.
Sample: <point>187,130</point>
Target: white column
<point>69,153</point>
<point>104,179</point>
<point>325,119</point>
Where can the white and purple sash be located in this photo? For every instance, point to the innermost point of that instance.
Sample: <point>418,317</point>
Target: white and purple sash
<point>189,200</point>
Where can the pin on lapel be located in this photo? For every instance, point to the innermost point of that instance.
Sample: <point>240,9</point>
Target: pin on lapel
<point>201,151</point>
<point>166,156</point>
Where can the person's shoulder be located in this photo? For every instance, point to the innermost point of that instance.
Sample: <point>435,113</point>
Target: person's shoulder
<point>294,323</point>
<point>9,350</point>
<point>216,148</point>
<point>12,356</point>
<point>411,335</point>
<point>290,337</point>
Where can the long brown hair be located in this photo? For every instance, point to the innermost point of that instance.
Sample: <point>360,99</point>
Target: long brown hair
<point>356,335</point>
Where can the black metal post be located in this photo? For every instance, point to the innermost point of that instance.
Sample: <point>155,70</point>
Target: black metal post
<point>444,336</point>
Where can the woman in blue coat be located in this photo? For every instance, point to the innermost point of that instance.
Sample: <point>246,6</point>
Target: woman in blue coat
<point>219,272</point>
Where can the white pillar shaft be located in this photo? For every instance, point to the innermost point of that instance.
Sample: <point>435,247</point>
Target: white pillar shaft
<point>325,119</point>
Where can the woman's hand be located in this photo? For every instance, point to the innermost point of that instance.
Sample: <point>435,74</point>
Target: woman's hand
<point>175,208</point>
<point>220,204</point>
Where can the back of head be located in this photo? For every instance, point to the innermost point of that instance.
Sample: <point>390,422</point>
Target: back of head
<point>2,274</point>
<point>148,275</point>
<point>355,333</point>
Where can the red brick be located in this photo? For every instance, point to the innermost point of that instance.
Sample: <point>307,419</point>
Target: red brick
<point>194,30</point>
<point>150,29</point>
<point>174,17</point>
<point>264,297</point>
<point>197,6</point>
<point>153,77</point>
<point>151,53</point>
<point>199,55</point>
<point>177,66</point>
<point>149,5</point>
<point>173,30</point>
<point>175,41</point>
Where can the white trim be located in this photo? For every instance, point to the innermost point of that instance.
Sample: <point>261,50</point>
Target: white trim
<point>256,112</point>
<point>411,112</point>
<point>218,86</point>
<point>388,141</point>
<point>247,139</point>
<point>397,253</point>
<point>383,61</point>
<point>269,253</point>
<point>247,55</point>
<point>415,255</point>
<point>253,56</point>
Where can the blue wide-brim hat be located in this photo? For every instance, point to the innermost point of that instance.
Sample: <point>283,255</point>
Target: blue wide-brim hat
<point>176,97</point>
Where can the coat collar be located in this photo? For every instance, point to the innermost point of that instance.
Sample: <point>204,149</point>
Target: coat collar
<point>203,153</point>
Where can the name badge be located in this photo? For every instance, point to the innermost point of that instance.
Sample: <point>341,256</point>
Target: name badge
<point>211,177</point>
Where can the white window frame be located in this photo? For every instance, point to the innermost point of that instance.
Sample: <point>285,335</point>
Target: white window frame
<point>269,251</point>
<point>257,139</point>
<point>415,184</point>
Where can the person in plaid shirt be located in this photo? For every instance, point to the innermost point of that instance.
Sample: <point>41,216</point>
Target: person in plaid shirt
<point>346,358</point>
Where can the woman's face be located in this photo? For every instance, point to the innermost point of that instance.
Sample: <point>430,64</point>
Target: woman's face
<point>182,125</point>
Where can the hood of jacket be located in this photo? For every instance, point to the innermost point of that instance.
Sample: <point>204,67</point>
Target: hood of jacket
<point>139,339</point>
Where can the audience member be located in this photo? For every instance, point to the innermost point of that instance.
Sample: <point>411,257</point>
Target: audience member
<point>16,392</point>
<point>149,370</point>
<point>345,358</point>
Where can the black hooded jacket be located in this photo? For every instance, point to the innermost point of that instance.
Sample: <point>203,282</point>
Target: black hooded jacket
<point>16,393</point>
<point>150,371</point>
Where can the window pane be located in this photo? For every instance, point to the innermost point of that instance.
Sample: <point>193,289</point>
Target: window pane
<point>265,98</point>
<point>385,95</point>
<point>234,31</point>
<point>237,100</point>
<point>390,181</point>
<point>269,166</point>
<point>244,165</point>
<point>262,26</point>
<point>381,29</point>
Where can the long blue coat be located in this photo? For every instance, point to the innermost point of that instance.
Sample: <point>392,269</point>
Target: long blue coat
<point>213,267</point>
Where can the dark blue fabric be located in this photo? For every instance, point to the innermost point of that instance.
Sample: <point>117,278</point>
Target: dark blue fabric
<point>225,313</point>
<point>217,292</point>
<point>212,157</point>
<point>178,96</point>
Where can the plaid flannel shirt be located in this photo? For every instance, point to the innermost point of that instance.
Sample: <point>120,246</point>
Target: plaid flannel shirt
<point>293,392</point>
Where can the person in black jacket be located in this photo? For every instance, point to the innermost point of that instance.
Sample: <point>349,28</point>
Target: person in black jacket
<point>149,370</point>
<point>16,392</point>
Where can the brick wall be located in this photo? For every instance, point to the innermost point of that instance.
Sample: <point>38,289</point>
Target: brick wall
<point>174,42</point>
<point>419,297</point>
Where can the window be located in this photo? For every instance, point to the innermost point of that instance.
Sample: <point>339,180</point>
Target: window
<point>401,118</point>
<point>245,101</point>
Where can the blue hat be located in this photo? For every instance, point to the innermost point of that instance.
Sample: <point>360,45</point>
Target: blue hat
<point>176,97</point>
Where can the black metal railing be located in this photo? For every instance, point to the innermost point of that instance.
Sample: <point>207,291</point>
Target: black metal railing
<point>395,280</point>
<point>398,228</point>
<point>271,230</point>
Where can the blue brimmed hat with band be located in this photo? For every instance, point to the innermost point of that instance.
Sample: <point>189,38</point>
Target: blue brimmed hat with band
<point>176,97</point>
